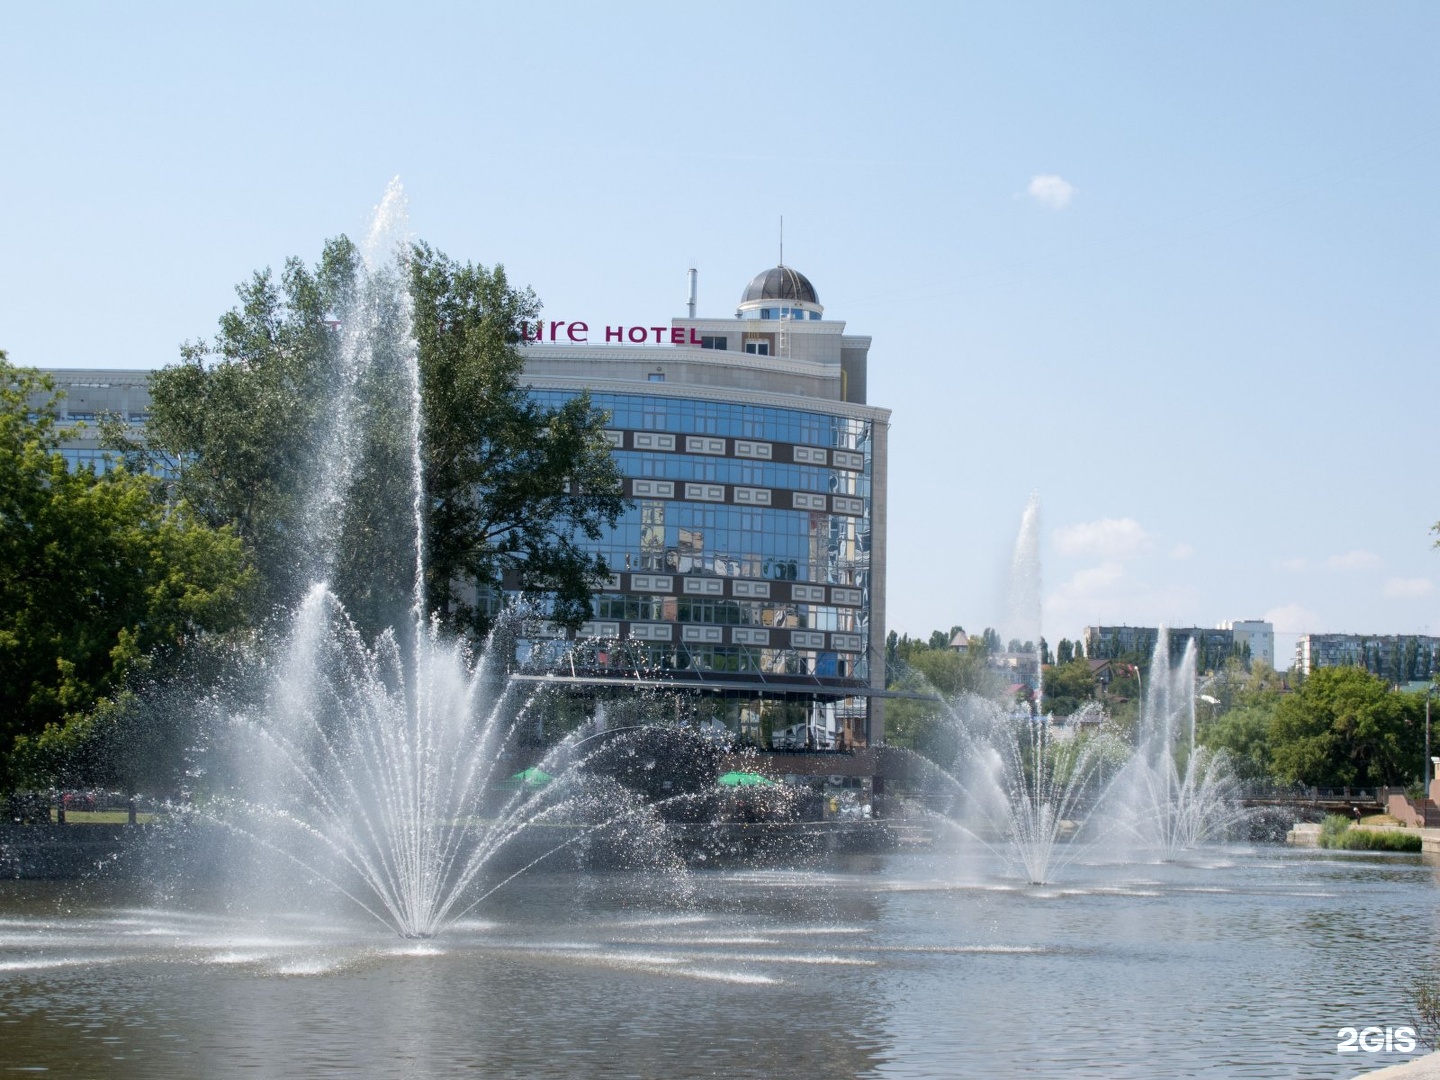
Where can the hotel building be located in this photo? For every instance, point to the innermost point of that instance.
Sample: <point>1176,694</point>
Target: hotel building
<point>750,567</point>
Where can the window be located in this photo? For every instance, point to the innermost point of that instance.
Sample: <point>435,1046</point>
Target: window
<point>710,342</point>
<point>757,348</point>
<point>656,376</point>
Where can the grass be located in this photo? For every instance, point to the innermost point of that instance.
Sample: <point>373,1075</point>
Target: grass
<point>104,817</point>
<point>1336,833</point>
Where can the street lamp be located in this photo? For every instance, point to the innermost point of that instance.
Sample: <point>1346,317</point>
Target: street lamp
<point>1428,766</point>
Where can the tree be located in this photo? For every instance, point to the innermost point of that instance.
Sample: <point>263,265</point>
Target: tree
<point>1346,727</point>
<point>239,422</point>
<point>931,667</point>
<point>1244,733</point>
<point>512,485</point>
<point>1068,686</point>
<point>99,579</point>
<point>248,424</point>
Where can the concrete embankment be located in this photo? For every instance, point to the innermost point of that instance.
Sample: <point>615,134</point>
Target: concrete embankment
<point>1303,834</point>
<point>1425,1068</point>
<point>63,851</point>
<point>202,851</point>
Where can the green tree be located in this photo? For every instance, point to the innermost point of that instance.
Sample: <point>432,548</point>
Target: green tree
<point>1346,727</point>
<point>99,579</point>
<point>926,726</point>
<point>1064,652</point>
<point>1244,733</point>
<point>248,425</point>
<point>237,422</point>
<point>512,485</point>
<point>1068,686</point>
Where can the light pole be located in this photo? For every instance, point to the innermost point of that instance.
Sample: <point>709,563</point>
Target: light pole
<point>1429,769</point>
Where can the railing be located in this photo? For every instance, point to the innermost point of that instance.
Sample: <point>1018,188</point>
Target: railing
<point>1262,792</point>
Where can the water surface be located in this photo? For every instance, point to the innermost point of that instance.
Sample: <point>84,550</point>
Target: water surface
<point>1228,962</point>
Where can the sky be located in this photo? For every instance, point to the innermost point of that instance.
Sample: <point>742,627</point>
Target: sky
<point>1171,268</point>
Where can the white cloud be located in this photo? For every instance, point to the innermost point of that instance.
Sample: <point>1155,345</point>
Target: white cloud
<point>1292,619</point>
<point>1051,191</point>
<point>1109,593</point>
<point>1182,551</point>
<point>1295,565</point>
<point>1407,588</point>
<point>1353,560</point>
<point>1108,538</point>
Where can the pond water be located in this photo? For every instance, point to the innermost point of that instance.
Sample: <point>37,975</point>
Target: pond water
<point>1229,962</point>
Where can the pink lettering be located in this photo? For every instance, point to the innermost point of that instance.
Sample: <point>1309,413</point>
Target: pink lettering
<point>578,331</point>
<point>659,334</point>
<point>694,337</point>
<point>641,331</point>
<point>525,331</point>
<point>677,336</point>
<point>554,326</point>
<point>614,333</point>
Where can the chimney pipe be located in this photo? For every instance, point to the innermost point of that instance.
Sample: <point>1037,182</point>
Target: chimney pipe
<point>694,276</point>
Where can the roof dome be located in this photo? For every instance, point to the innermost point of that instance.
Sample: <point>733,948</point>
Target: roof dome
<point>780,283</point>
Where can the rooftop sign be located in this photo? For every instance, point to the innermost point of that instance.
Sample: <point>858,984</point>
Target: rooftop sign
<point>579,333</point>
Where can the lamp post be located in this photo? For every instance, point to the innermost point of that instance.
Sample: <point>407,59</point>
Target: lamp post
<point>1429,769</point>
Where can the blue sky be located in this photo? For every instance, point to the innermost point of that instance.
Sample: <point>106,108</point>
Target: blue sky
<point>1171,266</point>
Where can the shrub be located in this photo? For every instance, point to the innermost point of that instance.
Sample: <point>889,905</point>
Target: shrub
<point>1333,830</point>
<point>1336,833</point>
<point>1375,840</point>
<point>1425,1010</point>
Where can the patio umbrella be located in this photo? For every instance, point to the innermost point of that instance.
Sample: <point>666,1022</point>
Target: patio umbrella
<point>744,779</point>
<point>533,777</point>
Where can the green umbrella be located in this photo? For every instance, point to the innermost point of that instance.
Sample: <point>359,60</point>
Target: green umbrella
<point>744,779</point>
<point>533,777</point>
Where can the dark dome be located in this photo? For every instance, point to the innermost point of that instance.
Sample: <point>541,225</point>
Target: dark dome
<point>780,283</point>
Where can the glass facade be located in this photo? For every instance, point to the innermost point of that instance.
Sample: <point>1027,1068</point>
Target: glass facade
<point>764,571</point>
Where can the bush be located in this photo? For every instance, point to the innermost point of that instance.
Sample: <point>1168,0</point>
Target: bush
<point>1425,1010</point>
<point>1336,833</point>
<point>1375,840</point>
<point>1333,830</point>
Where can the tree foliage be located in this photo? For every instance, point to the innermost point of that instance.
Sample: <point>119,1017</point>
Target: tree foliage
<point>236,421</point>
<point>931,667</point>
<point>1069,686</point>
<point>512,485</point>
<point>99,578</point>
<point>1244,734</point>
<point>248,424</point>
<point>1346,727</point>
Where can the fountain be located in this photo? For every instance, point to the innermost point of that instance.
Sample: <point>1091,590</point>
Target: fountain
<point>1173,794</point>
<point>1022,784</point>
<point>381,769</point>
<point>373,764</point>
<point>1019,785</point>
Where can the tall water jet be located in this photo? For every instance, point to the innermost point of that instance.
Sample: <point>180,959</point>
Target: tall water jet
<point>1019,785</point>
<point>1023,602</point>
<point>380,765</point>
<point>1175,794</point>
